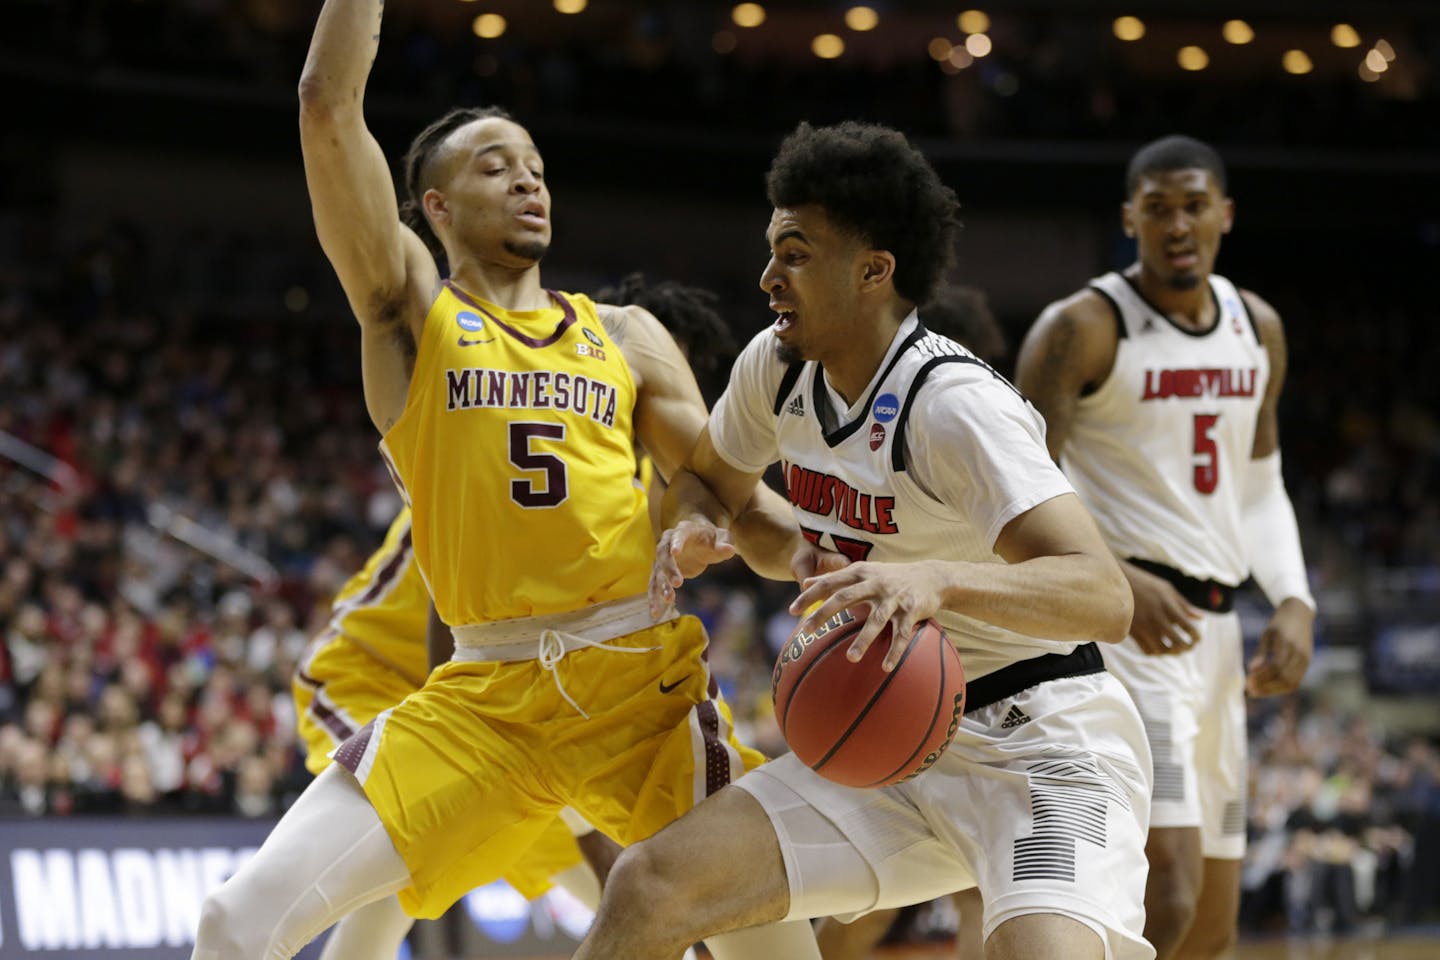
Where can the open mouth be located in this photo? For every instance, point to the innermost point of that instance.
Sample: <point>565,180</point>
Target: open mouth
<point>1184,259</point>
<point>784,320</point>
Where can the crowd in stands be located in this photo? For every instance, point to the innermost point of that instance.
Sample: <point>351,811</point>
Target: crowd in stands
<point>141,675</point>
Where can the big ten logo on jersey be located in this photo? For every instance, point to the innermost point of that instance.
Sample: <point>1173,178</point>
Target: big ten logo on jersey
<point>587,350</point>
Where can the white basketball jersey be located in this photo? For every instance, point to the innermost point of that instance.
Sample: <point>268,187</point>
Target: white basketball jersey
<point>1158,452</point>
<point>934,458</point>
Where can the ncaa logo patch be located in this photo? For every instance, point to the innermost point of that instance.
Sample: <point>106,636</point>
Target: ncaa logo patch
<point>469,321</point>
<point>886,407</point>
<point>877,436</point>
<point>592,336</point>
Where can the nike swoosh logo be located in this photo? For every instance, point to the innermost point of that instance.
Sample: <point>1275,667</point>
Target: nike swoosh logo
<point>668,687</point>
<point>470,343</point>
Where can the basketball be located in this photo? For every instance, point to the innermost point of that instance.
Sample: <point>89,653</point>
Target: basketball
<point>857,725</point>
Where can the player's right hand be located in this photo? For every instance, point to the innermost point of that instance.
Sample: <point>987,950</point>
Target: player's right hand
<point>681,553</point>
<point>1164,623</point>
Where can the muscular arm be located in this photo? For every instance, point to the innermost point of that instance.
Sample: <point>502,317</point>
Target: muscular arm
<point>386,272</point>
<point>1070,349</point>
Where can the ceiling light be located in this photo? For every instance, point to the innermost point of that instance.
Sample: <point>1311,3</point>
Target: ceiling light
<point>861,18</point>
<point>571,6</point>
<point>748,15</point>
<point>938,48</point>
<point>1129,28</point>
<point>827,46</point>
<point>973,21</point>
<point>1376,61</point>
<point>488,25</point>
<point>1343,35</point>
<point>1192,58</point>
<point>1296,62</point>
<point>1237,32</point>
<point>978,45</point>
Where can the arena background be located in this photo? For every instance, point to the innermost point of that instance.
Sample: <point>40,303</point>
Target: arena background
<point>187,472</point>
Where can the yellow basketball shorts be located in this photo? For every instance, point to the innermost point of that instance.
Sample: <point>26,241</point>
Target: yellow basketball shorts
<point>470,770</point>
<point>339,688</point>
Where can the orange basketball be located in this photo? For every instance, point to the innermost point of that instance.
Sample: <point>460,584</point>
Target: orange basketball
<point>855,724</point>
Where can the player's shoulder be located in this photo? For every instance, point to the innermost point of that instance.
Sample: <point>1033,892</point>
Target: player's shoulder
<point>1087,310</point>
<point>624,322</point>
<point>1268,325</point>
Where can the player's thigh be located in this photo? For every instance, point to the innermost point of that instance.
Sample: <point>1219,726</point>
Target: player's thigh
<point>1169,693</point>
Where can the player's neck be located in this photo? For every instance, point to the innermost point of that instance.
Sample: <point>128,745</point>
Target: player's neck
<point>851,362</point>
<point>506,287</point>
<point>1190,307</point>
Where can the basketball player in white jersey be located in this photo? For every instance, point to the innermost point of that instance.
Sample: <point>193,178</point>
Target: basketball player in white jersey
<point>1159,386</point>
<point>1042,798</point>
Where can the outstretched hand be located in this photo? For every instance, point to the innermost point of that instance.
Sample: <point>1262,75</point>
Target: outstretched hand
<point>681,553</point>
<point>898,594</point>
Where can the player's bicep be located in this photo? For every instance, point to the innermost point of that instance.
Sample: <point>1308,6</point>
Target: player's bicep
<point>379,261</point>
<point>1060,526</point>
<point>671,412</point>
<point>1272,336</point>
<point>1062,353</point>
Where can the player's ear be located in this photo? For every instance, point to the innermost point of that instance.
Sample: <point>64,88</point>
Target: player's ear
<point>1228,212</point>
<point>876,268</point>
<point>437,208</point>
<point>1127,218</point>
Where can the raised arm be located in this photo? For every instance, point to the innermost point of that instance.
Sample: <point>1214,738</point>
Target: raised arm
<point>387,274</point>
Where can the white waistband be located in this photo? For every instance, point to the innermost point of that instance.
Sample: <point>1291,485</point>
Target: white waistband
<point>517,638</point>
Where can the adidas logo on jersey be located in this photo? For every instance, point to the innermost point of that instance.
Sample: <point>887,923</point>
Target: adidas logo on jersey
<point>1014,718</point>
<point>797,407</point>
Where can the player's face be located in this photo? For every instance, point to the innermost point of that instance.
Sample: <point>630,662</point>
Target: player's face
<point>811,280</point>
<point>495,202</point>
<point>1177,218</point>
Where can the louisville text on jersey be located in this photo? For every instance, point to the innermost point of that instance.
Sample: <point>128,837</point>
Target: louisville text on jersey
<point>1205,382</point>
<point>822,494</point>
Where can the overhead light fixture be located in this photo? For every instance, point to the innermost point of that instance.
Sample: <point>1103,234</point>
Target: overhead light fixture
<point>748,15</point>
<point>1237,32</point>
<point>978,45</point>
<point>973,21</point>
<point>1344,36</point>
<point>861,18</point>
<point>1129,28</point>
<point>1192,58</point>
<point>1297,62</point>
<point>1376,61</point>
<point>1386,51</point>
<point>571,6</point>
<point>488,26</point>
<point>827,46</point>
<point>939,48</point>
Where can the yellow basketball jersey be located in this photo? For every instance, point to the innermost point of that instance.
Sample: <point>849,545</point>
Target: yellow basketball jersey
<point>384,609</point>
<point>516,456</point>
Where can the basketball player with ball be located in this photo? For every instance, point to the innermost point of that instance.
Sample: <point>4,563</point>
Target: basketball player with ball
<point>922,497</point>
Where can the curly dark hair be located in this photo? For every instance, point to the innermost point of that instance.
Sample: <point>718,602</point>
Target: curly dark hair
<point>871,181</point>
<point>689,314</point>
<point>421,168</point>
<point>1175,152</point>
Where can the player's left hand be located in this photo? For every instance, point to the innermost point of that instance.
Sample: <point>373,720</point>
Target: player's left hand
<point>1285,650</point>
<point>680,554</point>
<point>898,594</point>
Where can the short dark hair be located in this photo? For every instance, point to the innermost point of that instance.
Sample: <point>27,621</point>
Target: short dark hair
<point>689,313</point>
<point>872,182</point>
<point>1174,152</point>
<point>421,169</point>
<point>963,314</point>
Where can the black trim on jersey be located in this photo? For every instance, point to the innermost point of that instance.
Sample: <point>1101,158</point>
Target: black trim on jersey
<point>1254,328</point>
<point>846,430</point>
<point>787,383</point>
<point>897,446</point>
<point>1121,331</point>
<point>1219,314</point>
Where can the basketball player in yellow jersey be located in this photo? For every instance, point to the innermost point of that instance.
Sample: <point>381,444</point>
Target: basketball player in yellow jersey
<point>507,413</point>
<point>370,657</point>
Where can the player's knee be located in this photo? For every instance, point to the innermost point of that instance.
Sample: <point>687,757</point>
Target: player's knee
<point>224,932</point>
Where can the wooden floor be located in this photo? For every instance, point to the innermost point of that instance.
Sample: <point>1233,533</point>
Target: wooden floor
<point>1400,949</point>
